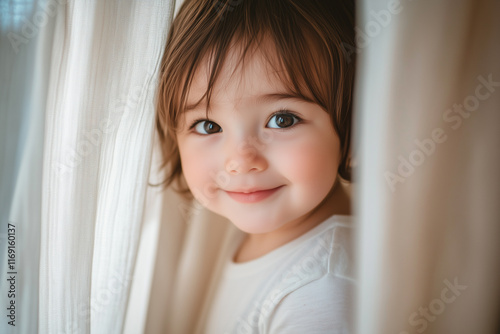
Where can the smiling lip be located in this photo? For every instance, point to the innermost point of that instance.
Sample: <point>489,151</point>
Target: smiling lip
<point>252,196</point>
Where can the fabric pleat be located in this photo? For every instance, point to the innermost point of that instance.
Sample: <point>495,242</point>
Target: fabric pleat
<point>427,138</point>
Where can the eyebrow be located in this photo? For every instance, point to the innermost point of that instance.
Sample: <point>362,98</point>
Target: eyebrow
<point>271,97</point>
<point>283,96</point>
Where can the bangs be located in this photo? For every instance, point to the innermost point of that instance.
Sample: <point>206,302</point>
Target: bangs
<point>296,53</point>
<point>301,84</point>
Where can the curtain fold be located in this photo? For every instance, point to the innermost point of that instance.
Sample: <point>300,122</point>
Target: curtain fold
<point>82,158</point>
<point>99,126</point>
<point>190,242</point>
<point>428,133</point>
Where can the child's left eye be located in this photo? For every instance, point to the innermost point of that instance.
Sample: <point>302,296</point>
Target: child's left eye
<point>282,120</point>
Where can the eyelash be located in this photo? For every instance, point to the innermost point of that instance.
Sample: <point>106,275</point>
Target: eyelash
<point>279,112</point>
<point>286,112</point>
<point>198,120</point>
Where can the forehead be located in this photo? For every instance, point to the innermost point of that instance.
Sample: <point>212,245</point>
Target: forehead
<point>243,74</point>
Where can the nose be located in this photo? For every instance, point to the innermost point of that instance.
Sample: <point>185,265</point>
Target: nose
<point>245,158</point>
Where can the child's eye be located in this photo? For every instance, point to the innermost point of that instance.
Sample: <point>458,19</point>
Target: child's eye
<point>205,127</point>
<point>282,120</point>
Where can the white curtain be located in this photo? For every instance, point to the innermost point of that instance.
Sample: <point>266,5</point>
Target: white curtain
<point>98,251</point>
<point>78,85</point>
<point>428,142</point>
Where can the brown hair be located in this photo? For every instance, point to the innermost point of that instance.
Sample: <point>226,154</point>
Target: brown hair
<point>308,37</point>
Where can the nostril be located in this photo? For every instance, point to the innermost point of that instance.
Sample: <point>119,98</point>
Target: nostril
<point>232,167</point>
<point>243,165</point>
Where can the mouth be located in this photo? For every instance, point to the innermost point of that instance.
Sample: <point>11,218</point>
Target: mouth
<point>252,195</point>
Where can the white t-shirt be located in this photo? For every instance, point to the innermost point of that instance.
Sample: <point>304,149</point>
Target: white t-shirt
<point>304,286</point>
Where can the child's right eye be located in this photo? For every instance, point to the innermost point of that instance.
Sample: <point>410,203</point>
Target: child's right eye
<point>205,127</point>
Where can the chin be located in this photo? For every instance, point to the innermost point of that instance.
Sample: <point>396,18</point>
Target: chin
<point>255,224</point>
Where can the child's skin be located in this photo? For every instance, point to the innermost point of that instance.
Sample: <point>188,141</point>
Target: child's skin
<point>294,161</point>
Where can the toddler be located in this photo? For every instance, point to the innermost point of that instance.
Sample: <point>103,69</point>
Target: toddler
<point>254,118</point>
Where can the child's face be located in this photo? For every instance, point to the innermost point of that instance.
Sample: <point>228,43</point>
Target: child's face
<point>260,170</point>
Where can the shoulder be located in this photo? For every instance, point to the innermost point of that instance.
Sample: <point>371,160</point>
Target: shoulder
<point>320,298</point>
<point>333,248</point>
<point>329,253</point>
<point>341,261</point>
<point>321,306</point>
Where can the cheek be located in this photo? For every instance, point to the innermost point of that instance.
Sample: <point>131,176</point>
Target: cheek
<point>196,164</point>
<point>312,163</point>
